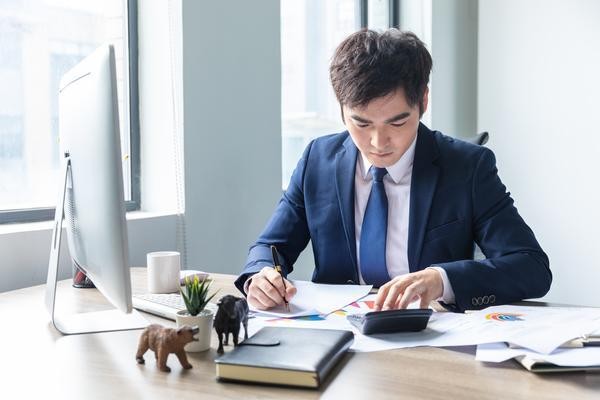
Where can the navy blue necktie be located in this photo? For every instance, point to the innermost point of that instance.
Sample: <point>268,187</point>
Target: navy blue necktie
<point>373,233</point>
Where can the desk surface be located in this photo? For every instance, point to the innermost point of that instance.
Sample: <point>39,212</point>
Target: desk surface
<point>37,361</point>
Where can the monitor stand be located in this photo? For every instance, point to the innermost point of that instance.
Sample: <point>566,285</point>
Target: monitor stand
<point>89,322</point>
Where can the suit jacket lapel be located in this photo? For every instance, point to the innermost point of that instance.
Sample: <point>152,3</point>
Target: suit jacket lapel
<point>423,184</point>
<point>345,165</point>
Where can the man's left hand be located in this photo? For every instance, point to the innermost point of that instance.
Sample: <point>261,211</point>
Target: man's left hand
<point>398,293</point>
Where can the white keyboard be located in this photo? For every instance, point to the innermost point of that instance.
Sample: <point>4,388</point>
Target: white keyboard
<point>163,305</point>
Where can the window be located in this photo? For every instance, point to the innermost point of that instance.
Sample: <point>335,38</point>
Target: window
<point>40,40</point>
<point>310,33</point>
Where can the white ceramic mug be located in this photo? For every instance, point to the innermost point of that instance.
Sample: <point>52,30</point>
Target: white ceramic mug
<point>163,271</point>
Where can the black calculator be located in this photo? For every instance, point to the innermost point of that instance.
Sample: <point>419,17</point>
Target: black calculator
<point>391,321</point>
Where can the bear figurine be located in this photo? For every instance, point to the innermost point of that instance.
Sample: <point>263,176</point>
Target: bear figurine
<point>163,341</point>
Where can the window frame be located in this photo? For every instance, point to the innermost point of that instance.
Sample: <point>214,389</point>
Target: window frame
<point>393,13</point>
<point>47,213</point>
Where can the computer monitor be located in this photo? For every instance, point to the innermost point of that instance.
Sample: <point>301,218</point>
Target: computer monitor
<point>91,196</point>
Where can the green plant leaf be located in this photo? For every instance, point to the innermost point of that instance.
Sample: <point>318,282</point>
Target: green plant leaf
<point>195,296</point>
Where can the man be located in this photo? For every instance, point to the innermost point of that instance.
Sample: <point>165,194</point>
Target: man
<point>391,203</point>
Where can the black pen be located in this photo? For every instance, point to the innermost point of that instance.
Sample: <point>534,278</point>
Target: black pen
<point>277,267</point>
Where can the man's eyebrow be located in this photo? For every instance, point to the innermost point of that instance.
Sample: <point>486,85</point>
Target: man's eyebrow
<point>397,117</point>
<point>360,119</point>
<point>387,121</point>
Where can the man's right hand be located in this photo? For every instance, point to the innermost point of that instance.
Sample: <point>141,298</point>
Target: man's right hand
<point>266,289</point>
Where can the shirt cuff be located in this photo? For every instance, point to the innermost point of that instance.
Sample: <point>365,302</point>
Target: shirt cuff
<point>247,285</point>
<point>448,292</point>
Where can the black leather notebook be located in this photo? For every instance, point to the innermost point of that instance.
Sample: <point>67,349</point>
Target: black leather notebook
<point>285,356</point>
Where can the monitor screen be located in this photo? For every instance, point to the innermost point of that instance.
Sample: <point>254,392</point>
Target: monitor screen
<point>92,191</point>
<point>94,200</point>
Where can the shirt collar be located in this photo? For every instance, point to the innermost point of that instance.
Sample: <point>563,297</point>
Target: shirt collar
<point>396,171</point>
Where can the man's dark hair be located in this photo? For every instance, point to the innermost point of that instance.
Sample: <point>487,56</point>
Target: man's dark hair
<point>369,64</point>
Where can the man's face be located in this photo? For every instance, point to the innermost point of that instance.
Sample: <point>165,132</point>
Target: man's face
<point>385,128</point>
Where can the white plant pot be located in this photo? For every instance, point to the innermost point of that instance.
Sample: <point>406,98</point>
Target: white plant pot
<point>204,321</point>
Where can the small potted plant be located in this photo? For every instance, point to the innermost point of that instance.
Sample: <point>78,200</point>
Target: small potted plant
<point>196,297</point>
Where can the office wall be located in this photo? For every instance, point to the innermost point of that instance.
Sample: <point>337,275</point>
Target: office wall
<point>454,75</point>
<point>232,127</point>
<point>25,248</point>
<point>449,29</point>
<point>539,93</point>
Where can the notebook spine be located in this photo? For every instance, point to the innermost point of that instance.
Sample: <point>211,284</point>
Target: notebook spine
<point>334,355</point>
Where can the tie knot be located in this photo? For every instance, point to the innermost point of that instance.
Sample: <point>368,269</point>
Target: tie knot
<point>378,173</point>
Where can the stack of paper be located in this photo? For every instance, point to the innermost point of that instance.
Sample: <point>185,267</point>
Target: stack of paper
<point>547,339</point>
<point>561,359</point>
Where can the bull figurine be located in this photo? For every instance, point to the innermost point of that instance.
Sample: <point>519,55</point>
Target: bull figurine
<point>232,311</point>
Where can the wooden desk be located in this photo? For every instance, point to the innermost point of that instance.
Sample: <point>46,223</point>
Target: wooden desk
<point>37,362</point>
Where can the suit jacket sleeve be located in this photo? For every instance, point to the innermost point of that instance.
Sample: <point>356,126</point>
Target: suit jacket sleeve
<point>287,229</point>
<point>515,267</point>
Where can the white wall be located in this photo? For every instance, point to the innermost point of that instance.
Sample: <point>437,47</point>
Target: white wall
<point>232,127</point>
<point>539,94</point>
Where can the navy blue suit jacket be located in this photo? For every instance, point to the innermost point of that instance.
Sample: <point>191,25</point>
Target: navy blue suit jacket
<point>456,200</point>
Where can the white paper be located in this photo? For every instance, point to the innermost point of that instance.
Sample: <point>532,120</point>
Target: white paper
<point>317,299</point>
<point>568,357</point>
<point>443,329</point>
<point>542,329</point>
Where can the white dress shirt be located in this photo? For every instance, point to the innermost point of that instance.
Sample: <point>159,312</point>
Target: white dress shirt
<point>397,189</point>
